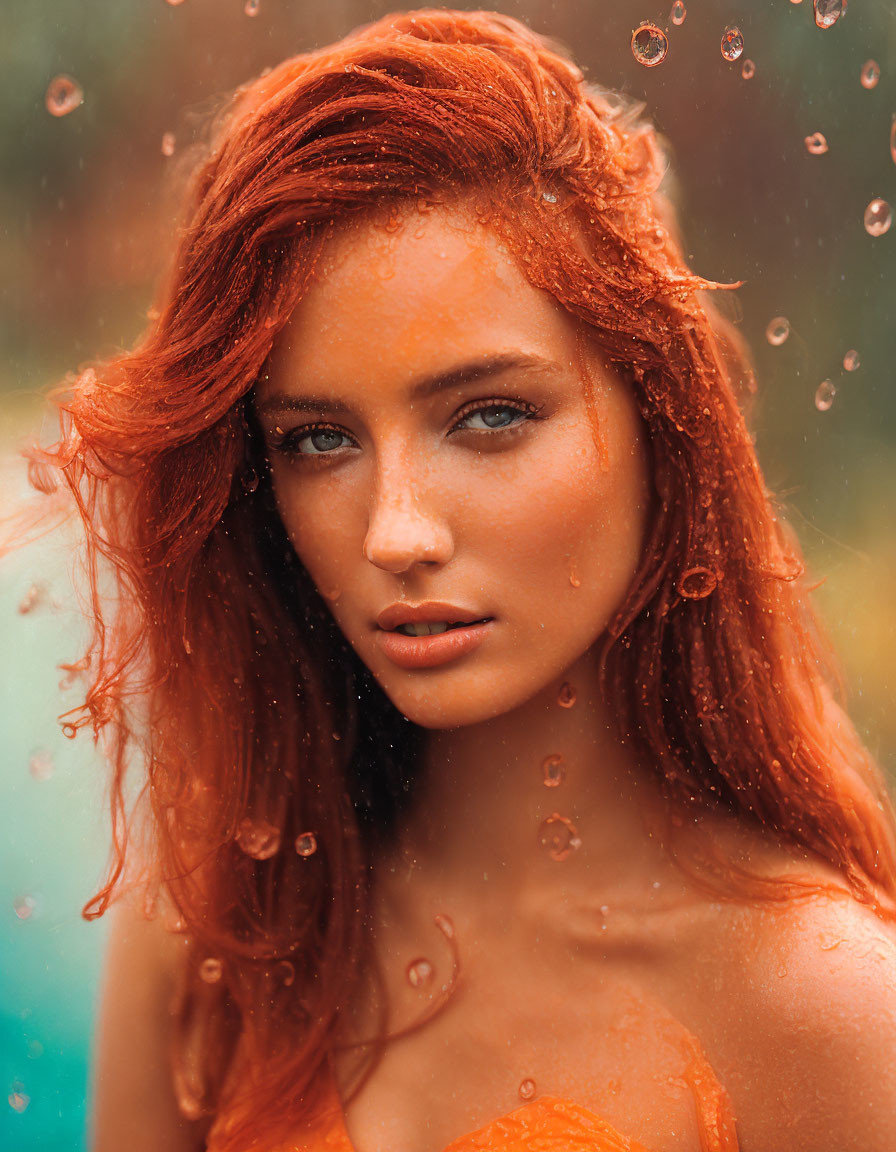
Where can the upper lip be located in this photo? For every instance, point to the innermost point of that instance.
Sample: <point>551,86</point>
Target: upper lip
<point>430,612</point>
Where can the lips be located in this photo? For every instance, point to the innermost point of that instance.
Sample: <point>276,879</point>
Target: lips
<point>414,652</point>
<point>428,612</point>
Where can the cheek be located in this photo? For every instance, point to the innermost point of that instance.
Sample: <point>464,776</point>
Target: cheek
<point>320,536</point>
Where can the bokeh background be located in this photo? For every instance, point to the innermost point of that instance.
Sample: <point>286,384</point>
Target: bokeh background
<point>87,209</point>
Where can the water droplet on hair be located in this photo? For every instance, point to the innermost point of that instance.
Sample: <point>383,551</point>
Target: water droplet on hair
<point>828,12</point>
<point>567,695</point>
<point>777,331</point>
<point>824,395</point>
<point>553,771</point>
<point>870,74</point>
<point>18,1100</point>
<point>25,907</point>
<point>40,765</point>
<point>252,7</point>
<point>878,218</point>
<point>678,13</point>
<point>527,1086</point>
<point>285,973</point>
<point>69,731</point>
<point>649,44</point>
<point>64,95</point>
<point>168,144</point>
<point>697,583</point>
<point>419,973</point>
<point>816,144</point>
<point>732,44</point>
<point>250,481</point>
<point>306,844</point>
<point>558,837</point>
<point>748,70</point>
<point>550,197</point>
<point>211,970</point>
<point>445,925</point>
<point>32,599</point>
<point>258,838</point>
<point>851,360</point>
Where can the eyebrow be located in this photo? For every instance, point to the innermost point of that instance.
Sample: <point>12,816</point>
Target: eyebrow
<point>483,368</point>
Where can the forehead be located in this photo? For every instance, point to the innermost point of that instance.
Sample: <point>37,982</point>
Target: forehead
<point>409,292</point>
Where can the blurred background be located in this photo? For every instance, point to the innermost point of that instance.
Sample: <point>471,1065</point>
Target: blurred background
<point>88,204</point>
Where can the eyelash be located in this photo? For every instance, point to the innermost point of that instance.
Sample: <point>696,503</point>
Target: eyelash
<point>289,441</point>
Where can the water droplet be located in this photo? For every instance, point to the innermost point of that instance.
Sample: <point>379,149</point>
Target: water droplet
<point>748,71</point>
<point>893,140</point>
<point>550,197</point>
<point>824,395</point>
<point>64,95</point>
<point>18,1101</point>
<point>678,13</point>
<point>604,909</point>
<point>285,973</point>
<point>870,74</point>
<point>419,972</point>
<point>174,3</point>
<point>527,1086</point>
<point>878,218</point>
<point>697,583</point>
<point>258,838</point>
<point>553,771</point>
<point>557,836</point>
<point>828,12</point>
<point>777,331</point>
<point>25,907</point>
<point>168,144</point>
<point>41,765</point>
<point>574,576</point>
<point>445,925</point>
<point>32,599</point>
<point>211,970</point>
<point>250,481</point>
<point>816,144</point>
<point>252,7</point>
<point>306,844</point>
<point>649,44</point>
<point>732,44</point>
<point>567,695</point>
<point>35,1049</point>
<point>851,360</point>
<point>69,731</point>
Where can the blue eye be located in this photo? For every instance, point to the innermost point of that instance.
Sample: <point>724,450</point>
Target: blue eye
<point>496,416</point>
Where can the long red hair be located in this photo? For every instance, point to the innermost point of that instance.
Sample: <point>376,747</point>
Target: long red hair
<point>215,667</point>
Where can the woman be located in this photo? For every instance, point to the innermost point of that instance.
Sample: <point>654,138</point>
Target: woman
<point>493,767</point>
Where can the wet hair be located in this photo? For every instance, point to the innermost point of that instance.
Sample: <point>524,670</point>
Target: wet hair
<point>215,666</point>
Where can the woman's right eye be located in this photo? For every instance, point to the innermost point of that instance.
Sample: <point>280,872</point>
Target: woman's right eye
<point>311,440</point>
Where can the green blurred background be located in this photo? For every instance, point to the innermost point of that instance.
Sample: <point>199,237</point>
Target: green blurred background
<point>87,209</point>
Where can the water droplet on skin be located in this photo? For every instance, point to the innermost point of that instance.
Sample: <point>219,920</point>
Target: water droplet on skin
<point>870,74</point>
<point>252,7</point>
<point>732,44</point>
<point>824,395</point>
<point>649,44</point>
<point>258,838</point>
<point>557,836</point>
<point>878,218</point>
<point>553,771</point>
<point>168,144</point>
<point>828,12</point>
<point>567,695</point>
<point>829,945</point>
<point>604,909</point>
<point>816,144</point>
<point>25,907</point>
<point>851,360</point>
<point>285,973</point>
<point>64,95</point>
<point>526,1089</point>
<point>419,973</point>
<point>678,13</point>
<point>748,71</point>
<point>697,583</point>
<point>574,575</point>
<point>306,844</point>
<point>777,331</point>
<point>40,765</point>
<point>211,970</point>
<point>18,1101</point>
<point>32,599</point>
<point>445,925</point>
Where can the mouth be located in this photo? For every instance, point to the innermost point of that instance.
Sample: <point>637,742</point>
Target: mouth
<point>436,627</point>
<point>429,644</point>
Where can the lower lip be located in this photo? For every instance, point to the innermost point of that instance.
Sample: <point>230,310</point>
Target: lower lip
<point>430,651</point>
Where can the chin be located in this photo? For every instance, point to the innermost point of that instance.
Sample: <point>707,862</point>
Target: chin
<point>441,707</point>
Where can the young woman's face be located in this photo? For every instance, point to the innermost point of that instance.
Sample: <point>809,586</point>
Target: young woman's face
<point>430,441</point>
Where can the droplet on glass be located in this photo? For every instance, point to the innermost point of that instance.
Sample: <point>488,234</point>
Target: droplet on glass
<point>169,143</point>
<point>285,973</point>
<point>258,838</point>
<point>816,144</point>
<point>649,44</point>
<point>828,12</point>
<point>32,599</point>
<point>306,844</point>
<point>64,95</point>
<point>870,74</point>
<point>851,360</point>
<point>567,695</point>
<point>732,44</point>
<point>40,765</point>
<point>445,925</point>
<point>878,218</point>
<point>211,970</point>
<point>252,7</point>
<point>777,331</point>
<point>527,1086</point>
<point>678,13</point>
<point>419,972</point>
<point>553,771</point>
<point>558,837</point>
<point>24,907</point>
<point>748,70</point>
<point>824,395</point>
<point>697,583</point>
<point>18,1101</point>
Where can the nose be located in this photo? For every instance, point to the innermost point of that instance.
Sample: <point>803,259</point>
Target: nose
<point>400,532</point>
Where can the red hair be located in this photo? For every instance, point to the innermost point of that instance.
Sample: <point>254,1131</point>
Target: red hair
<point>212,661</point>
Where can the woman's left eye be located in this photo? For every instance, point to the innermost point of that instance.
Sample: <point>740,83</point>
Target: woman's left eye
<point>495,416</point>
